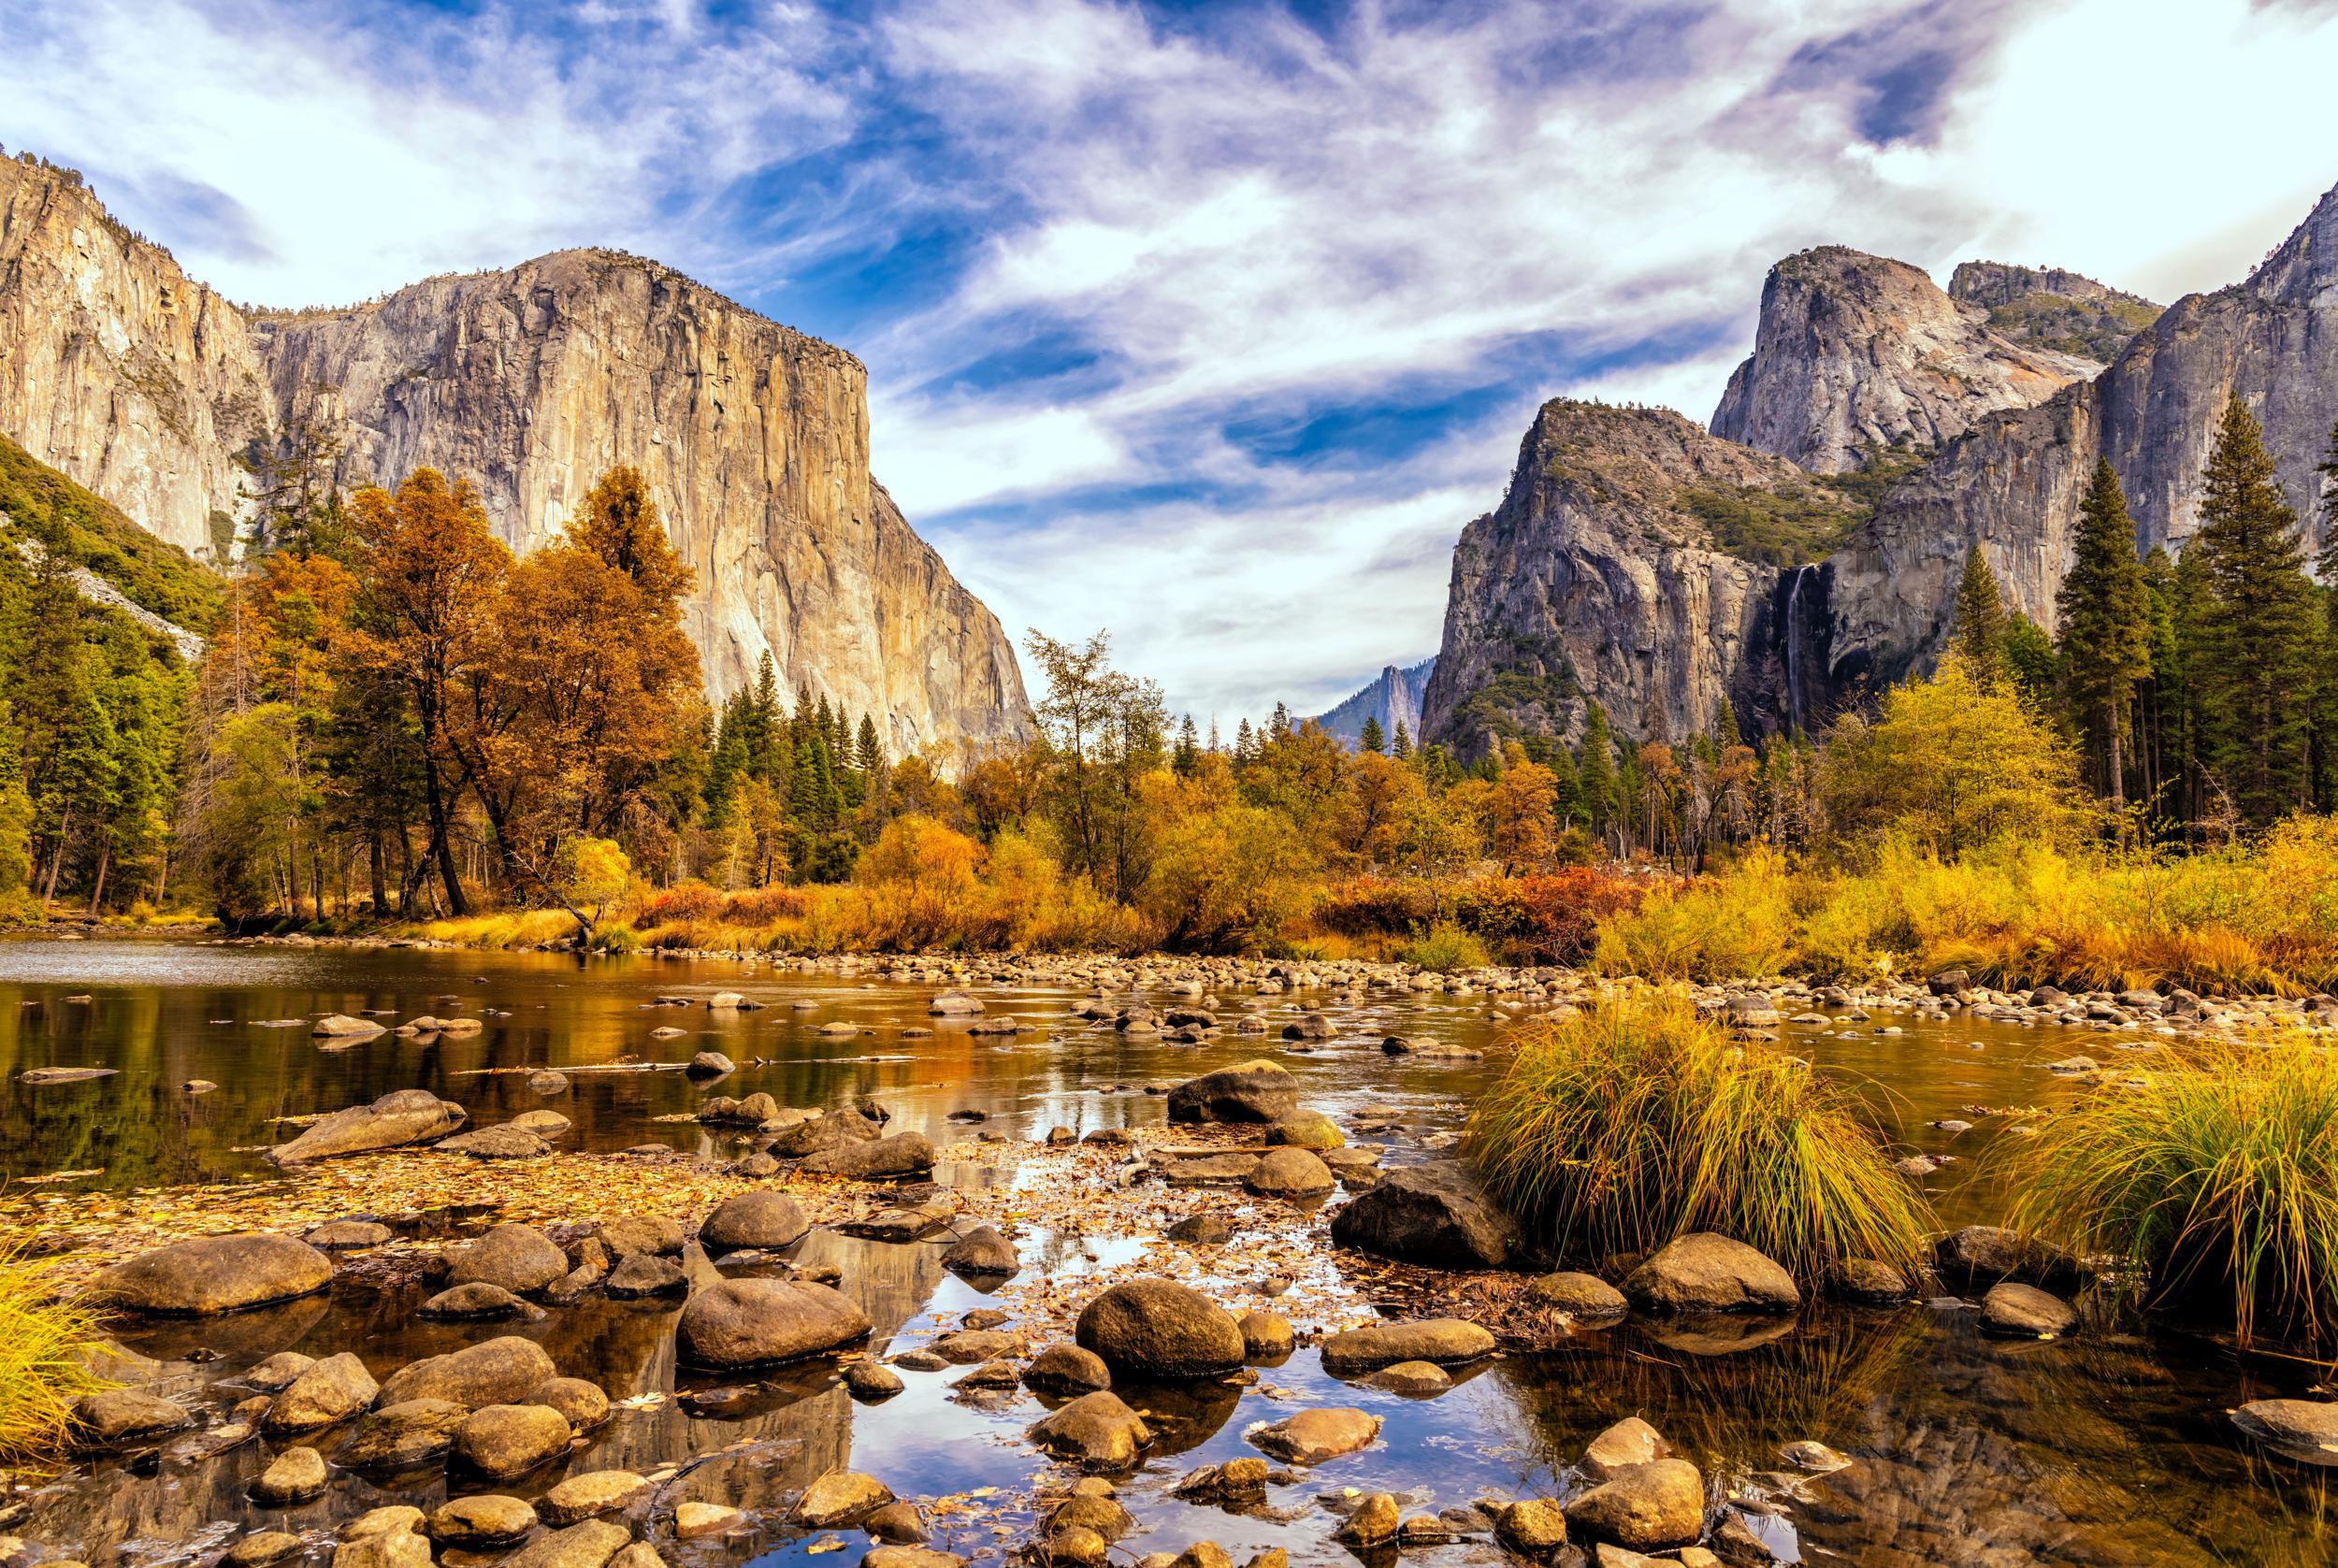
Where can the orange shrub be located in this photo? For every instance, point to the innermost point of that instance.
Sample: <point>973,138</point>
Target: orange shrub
<point>1375,906</point>
<point>1546,919</point>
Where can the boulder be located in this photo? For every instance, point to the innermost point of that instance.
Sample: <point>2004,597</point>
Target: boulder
<point>591,1544</point>
<point>752,1322</point>
<point>409,1432</point>
<point>1533,1526</point>
<point>1984,1254</point>
<point>501,1370</point>
<point>968,1345</point>
<point>1629,1441</point>
<point>762,1218</point>
<point>1305,1129</point>
<point>518,1257</point>
<point>335,1026</point>
<point>840,1498</point>
<point>954,1004</point>
<point>1372,1522</point>
<point>710,1064</point>
<point>1253,1091</point>
<point>215,1274</point>
<point>1310,1026</point>
<point>1864,1279</point>
<point>1708,1272</point>
<point>501,1441</point>
<point>2012,1308</point>
<point>1266,1336</point>
<point>1291,1173</point>
<point>904,1154</point>
<point>642,1273</point>
<point>580,1404</point>
<point>1435,1215</point>
<point>487,1520</point>
<point>871,1382</point>
<point>477,1300</point>
<point>590,1495</point>
<point>1202,1230</point>
<point>120,1416</point>
<point>2304,1426</point>
<point>1412,1379</point>
<point>1096,1432</point>
<point>278,1372</point>
<point>910,1556</point>
<point>1445,1341</point>
<point>1645,1508</point>
<point>334,1390</point>
<point>383,1538</point>
<point>1584,1297</point>
<point>983,1252</point>
<point>347,1235</point>
<point>1064,1368</point>
<point>1154,1327</point>
<point>263,1550</point>
<point>392,1122</point>
<point>1315,1436</point>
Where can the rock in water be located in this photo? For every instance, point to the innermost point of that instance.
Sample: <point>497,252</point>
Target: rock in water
<point>1154,1327</point>
<point>1096,1431</point>
<point>1253,1091</point>
<point>754,1219</point>
<point>333,1389</point>
<point>1705,1272</point>
<point>904,1154</point>
<point>1443,1340</point>
<point>2023,1309</point>
<point>1645,1508</point>
<point>752,1322</point>
<point>394,1121</point>
<point>501,1370</point>
<point>1316,1436</point>
<point>1434,1214</point>
<point>518,1257</point>
<point>215,1274</point>
<point>983,1253</point>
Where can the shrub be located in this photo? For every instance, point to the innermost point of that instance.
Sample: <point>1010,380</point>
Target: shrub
<point>2214,1180</point>
<point>1549,919</point>
<point>1375,906</point>
<point>42,1344</point>
<point>1731,927</point>
<point>683,900</point>
<point>1639,1121</point>
<point>1444,948</point>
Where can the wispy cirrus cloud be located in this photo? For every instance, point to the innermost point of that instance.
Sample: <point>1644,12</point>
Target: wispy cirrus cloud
<point>1212,324</point>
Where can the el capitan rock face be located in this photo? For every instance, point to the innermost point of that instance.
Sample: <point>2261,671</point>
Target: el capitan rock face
<point>1392,698</point>
<point>530,383</point>
<point>1857,353</point>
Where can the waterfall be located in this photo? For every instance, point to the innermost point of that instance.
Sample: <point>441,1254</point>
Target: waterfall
<point>1794,650</point>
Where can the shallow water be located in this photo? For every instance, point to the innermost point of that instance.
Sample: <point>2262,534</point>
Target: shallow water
<point>2091,1450</point>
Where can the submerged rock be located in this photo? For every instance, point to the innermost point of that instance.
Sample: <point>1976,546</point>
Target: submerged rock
<point>1315,1436</point>
<point>2306,1427</point>
<point>2012,1308</point>
<point>1443,1340</point>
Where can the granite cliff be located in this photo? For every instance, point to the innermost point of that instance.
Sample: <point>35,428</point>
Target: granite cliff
<point>1392,697</point>
<point>1622,566</point>
<point>2051,308</point>
<point>530,382</point>
<point>1857,353</point>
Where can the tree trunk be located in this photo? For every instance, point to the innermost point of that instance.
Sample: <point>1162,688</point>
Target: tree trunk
<point>440,851</point>
<point>376,871</point>
<point>104,860</point>
<point>56,856</point>
<point>2118,777</point>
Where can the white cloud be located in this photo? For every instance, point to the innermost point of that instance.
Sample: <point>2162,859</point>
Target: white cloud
<point>1252,222</point>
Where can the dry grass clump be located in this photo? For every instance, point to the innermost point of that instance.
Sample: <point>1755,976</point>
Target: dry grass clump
<point>42,1366</point>
<point>2214,1180</point>
<point>1642,1121</point>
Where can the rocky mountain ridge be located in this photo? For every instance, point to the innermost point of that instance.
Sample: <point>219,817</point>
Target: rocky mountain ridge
<point>1392,697</point>
<point>2051,308</point>
<point>1857,354</point>
<point>1623,592</point>
<point>146,385</point>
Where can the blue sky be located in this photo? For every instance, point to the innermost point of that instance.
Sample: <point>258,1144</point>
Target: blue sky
<point>1208,323</point>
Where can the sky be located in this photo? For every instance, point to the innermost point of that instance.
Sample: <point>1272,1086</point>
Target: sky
<point>1209,325</point>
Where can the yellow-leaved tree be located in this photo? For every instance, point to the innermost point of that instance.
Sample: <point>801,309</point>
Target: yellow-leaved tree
<point>1951,763</point>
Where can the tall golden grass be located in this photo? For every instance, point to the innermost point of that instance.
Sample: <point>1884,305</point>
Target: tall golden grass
<point>43,1370</point>
<point>2212,1177</point>
<point>1642,1120</point>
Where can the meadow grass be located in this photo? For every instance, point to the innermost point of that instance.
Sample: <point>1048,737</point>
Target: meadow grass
<point>42,1372</point>
<point>1642,1121</point>
<point>2211,1178</point>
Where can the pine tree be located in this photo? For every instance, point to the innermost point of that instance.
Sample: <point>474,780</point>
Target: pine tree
<point>2159,695</point>
<point>1977,632</point>
<point>1403,742</point>
<point>1278,728</point>
<point>2261,634</point>
<point>2105,615</point>
<point>1595,767</point>
<point>1372,740</point>
<point>1188,752</point>
<point>1566,789</point>
<point>1725,732</point>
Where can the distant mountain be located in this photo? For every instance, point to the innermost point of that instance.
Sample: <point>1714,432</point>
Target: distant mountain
<point>2048,308</point>
<point>1394,696</point>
